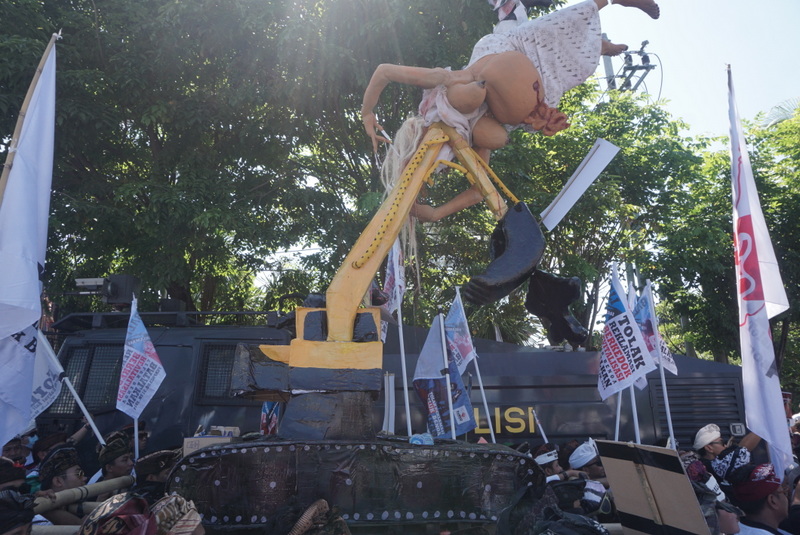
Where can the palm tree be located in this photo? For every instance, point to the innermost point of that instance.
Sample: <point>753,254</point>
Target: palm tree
<point>785,110</point>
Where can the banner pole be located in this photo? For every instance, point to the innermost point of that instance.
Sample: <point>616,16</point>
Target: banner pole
<point>483,397</point>
<point>390,381</point>
<point>635,415</point>
<point>619,413</point>
<point>136,439</point>
<point>48,349</point>
<point>446,371</point>
<point>539,425</point>
<point>385,427</point>
<point>403,364</point>
<point>672,440</point>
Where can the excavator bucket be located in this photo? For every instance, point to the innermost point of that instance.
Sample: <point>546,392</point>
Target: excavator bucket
<point>549,296</point>
<point>517,247</point>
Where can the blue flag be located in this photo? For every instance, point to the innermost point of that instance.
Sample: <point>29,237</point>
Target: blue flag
<point>431,386</point>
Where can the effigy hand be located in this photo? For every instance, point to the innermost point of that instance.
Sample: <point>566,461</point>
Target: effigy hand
<point>556,122</point>
<point>547,120</point>
<point>373,128</point>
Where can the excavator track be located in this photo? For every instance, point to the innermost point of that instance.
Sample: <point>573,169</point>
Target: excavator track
<point>250,485</point>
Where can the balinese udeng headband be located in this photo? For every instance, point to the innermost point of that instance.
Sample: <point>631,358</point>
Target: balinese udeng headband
<point>582,455</point>
<point>706,435</point>
<point>56,463</point>
<point>113,449</point>
<point>175,515</point>
<point>156,462</point>
<point>546,458</point>
<point>122,514</point>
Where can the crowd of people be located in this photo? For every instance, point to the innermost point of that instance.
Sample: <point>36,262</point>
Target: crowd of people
<point>35,472</point>
<point>736,492</point>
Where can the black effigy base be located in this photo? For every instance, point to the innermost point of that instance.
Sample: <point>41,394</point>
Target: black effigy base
<point>329,416</point>
<point>379,482</point>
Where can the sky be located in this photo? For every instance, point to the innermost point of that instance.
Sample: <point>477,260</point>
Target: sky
<point>694,41</point>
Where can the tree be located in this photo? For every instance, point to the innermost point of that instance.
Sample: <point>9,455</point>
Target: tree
<point>696,256</point>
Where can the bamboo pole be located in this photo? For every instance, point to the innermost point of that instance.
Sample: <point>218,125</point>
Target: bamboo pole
<point>66,497</point>
<point>54,530</point>
<point>12,148</point>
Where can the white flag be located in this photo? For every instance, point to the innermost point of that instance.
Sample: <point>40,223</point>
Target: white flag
<point>142,371</point>
<point>17,356</point>
<point>25,202</point>
<point>761,296</point>
<point>46,378</point>
<point>24,207</point>
<point>645,313</point>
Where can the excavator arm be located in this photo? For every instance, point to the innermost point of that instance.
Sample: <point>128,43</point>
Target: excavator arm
<point>326,336</point>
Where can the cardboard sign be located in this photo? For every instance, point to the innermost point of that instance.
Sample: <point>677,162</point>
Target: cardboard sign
<point>651,491</point>
<point>192,444</point>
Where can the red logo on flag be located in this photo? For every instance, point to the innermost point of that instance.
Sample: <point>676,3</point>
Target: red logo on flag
<point>747,261</point>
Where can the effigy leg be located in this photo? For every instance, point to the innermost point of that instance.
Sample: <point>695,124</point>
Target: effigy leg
<point>517,246</point>
<point>549,296</point>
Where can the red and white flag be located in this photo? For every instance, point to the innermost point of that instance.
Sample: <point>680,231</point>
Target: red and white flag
<point>761,296</point>
<point>142,371</point>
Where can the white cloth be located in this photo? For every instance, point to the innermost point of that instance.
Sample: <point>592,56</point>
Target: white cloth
<point>39,520</point>
<point>546,458</point>
<point>582,455</point>
<point>564,46</point>
<point>96,477</point>
<point>706,435</point>
<point>744,529</point>
<point>436,107</point>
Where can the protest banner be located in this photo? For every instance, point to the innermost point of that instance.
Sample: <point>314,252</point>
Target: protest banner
<point>142,371</point>
<point>624,356</point>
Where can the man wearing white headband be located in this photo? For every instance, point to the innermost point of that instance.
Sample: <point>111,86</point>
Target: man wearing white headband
<point>708,442</point>
<point>723,458</point>
<point>547,457</point>
<point>586,458</point>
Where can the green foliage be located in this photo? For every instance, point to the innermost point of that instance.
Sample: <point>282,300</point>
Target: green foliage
<point>695,255</point>
<point>196,138</point>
